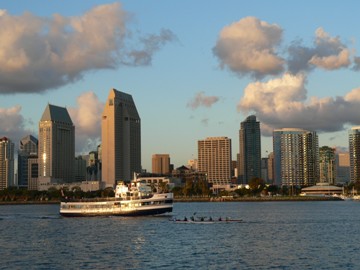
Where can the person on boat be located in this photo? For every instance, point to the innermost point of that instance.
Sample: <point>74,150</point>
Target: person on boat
<point>185,219</point>
<point>192,218</point>
<point>210,219</point>
<point>220,219</point>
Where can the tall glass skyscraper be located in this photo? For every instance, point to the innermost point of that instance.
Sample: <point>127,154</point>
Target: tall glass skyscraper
<point>28,147</point>
<point>56,144</point>
<point>354,149</point>
<point>250,150</point>
<point>6,163</point>
<point>327,165</point>
<point>296,157</point>
<point>121,139</point>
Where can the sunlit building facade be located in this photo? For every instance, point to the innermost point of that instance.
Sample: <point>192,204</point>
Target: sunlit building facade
<point>214,159</point>
<point>160,163</point>
<point>121,139</point>
<point>6,163</point>
<point>354,149</point>
<point>296,157</point>
<point>250,150</point>
<point>56,144</point>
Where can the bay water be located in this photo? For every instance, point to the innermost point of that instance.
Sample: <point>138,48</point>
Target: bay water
<point>272,235</point>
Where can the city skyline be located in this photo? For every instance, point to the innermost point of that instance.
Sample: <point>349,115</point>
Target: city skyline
<point>187,76</point>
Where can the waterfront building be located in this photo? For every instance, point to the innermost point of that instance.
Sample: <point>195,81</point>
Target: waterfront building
<point>327,165</point>
<point>28,147</point>
<point>80,169</point>
<point>160,164</point>
<point>264,169</point>
<point>6,163</point>
<point>354,149</point>
<point>56,145</point>
<point>271,168</point>
<point>214,158</point>
<point>33,172</point>
<point>192,164</point>
<point>342,167</point>
<point>250,150</point>
<point>121,139</point>
<point>296,157</point>
<point>93,169</point>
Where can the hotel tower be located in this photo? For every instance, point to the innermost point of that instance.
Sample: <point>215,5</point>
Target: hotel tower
<point>56,144</point>
<point>214,158</point>
<point>296,157</point>
<point>121,139</point>
<point>6,163</point>
<point>354,149</point>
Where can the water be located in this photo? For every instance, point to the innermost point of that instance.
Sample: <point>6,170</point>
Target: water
<point>273,235</point>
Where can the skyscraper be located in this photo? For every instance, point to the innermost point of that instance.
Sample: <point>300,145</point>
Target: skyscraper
<point>296,157</point>
<point>6,163</point>
<point>56,144</point>
<point>121,139</point>
<point>250,150</point>
<point>28,146</point>
<point>214,158</point>
<point>354,149</point>
<point>327,165</point>
<point>160,163</point>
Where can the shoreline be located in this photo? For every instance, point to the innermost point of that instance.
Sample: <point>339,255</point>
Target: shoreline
<point>195,199</point>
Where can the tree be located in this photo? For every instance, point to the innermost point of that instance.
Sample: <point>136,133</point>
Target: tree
<point>256,185</point>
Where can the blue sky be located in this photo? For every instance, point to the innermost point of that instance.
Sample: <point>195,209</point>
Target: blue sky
<point>195,69</point>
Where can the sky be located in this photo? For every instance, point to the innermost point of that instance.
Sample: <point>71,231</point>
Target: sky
<point>195,69</point>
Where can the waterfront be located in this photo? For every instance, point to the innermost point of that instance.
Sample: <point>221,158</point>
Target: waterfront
<point>274,235</point>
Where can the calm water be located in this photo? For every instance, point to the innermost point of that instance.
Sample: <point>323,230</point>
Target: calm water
<point>274,235</point>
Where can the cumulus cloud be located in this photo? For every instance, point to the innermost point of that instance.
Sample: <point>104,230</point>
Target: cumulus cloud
<point>87,120</point>
<point>13,125</point>
<point>248,47</point>
<point>283,102</point>
<point>37,54</point>
<point>328,53</point>
<point>201,99</point>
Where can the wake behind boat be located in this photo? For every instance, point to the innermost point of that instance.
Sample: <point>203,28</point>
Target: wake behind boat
<point>135,199</point>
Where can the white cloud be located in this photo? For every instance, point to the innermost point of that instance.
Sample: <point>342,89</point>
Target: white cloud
<point>12,124</point>
<point>37,54</point>
<point>283,102</point>
<point>328,53</point>
<point>87,120</point>
<point>248,47</point>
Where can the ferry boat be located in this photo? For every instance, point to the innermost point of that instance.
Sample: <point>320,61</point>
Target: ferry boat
<point>134,199</point>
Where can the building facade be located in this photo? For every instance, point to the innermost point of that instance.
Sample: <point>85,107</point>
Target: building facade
<point>327,165</point>
<point>33,172</point>
<point>121,139</point>
<point>250,150</point>
<point>354,149</point>
<point>28,147</point>
<point>343,167</point>
<point>56,144</point>
<point>296,157</point>
<point>160,164</point>
<point>6,163</point>
<point>214,158</point>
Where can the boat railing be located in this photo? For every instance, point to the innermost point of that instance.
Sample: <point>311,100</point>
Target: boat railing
<point>108,199</point>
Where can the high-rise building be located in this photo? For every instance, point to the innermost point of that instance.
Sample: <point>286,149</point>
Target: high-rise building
<point>28,147</point>
<point>160,163</point>
<point>121,139</point>
<point>56,144</point>
<point>214,158</point>
<point>296,157</point>
<point>250,150</point>
<point>327,165</point>
<point>342,167</point>
<point>6,163</point>
<point>271,168</point>
<point>354,149</point>
<point>33,172</point>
